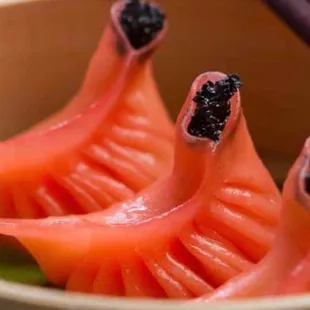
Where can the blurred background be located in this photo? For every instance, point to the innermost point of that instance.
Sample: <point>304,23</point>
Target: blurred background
<point>46,45</point>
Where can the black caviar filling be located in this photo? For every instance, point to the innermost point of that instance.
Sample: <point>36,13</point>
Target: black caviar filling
<point>141,21</point>
<point>307,183</point>
<point>213,107</point>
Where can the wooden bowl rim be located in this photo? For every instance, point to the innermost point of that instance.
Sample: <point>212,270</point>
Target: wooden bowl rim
<point>5,3</point>
<point>48,298</point>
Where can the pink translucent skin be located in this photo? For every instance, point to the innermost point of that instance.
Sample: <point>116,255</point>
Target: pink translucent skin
<point>137,219</point>
<point>286,268</point>
<point>181,237</point>
<point>17,155</point>
<point>96,151</point>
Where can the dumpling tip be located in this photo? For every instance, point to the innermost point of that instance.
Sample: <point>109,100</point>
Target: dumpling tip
<point>307,183</point>
<point>213,107</point>
<point>141,21</point>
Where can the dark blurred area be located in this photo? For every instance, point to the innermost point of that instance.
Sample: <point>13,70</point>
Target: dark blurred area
<point>46,46</point>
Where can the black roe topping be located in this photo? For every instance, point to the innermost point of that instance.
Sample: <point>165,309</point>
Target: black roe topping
<point>307,183</point>
<point>141,21</point>
<point>213,107</point>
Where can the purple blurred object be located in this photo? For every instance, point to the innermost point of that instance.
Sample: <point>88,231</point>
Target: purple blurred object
<point>296,14</point>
